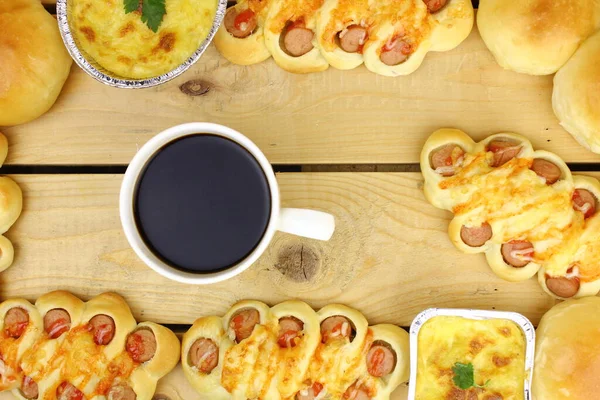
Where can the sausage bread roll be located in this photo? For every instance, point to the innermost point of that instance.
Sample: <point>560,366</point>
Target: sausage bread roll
<point>400,38</point>
<point>291,352</point>
<point>566,351</point>
<point>297,338</point>
<point>452,22</point>
<point>575,98</point>
<point>241,38</point>
<point>536,37</point>
<point>203,351</point>
<point>342,31</point>
<point>290,35</point>
<point>520,207</point>
<point>20,326</point>
<point>80,351</point>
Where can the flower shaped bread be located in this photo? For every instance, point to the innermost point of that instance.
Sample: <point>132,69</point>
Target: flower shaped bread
<point>391,37</point>
<point>519,206</point>
<point>65,349</point>
<point>291,352</point>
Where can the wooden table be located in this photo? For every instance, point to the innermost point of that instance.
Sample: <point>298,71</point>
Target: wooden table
<point>343,142</point>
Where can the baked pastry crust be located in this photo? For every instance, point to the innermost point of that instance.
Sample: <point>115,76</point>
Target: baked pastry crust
<point>384,21</point>
<point>576,94</point>
<point>518,205</point>
<point>35,63</point>
<point>248,50</point>
<point>336,365</point>
<point>50,360</point>
<point>567,348</point>
<point>536,37</point>
<point>283,10</point>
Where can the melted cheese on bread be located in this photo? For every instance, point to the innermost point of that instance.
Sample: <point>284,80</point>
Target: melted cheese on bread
<point>495,347</point>
<point>122,44</point>
<point>518,205</point>
<point>74,357</point>
<point>258,368</point>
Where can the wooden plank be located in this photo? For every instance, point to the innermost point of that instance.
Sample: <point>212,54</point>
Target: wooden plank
<point>332,117</point>
<point>390,256</point>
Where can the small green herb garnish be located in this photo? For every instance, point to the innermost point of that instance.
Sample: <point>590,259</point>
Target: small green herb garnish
<point>153,11</point>
<point>464,376</point>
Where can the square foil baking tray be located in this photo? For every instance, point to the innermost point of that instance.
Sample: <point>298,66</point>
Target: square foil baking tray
<point>520,320</point>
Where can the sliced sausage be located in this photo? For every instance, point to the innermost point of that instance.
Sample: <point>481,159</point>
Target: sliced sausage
<point>311,393</point>
<point>204,355</point>
<point>335,327</point>
<point>66,391</point>
<point>353,38</point>
<point>504,150</point>
<point>435,5</point>
<point>289,330</point>
<point>243,323</point>
<point>585,202</point>
<point>443,159</point>
<point>476,236</point>
<point>15,322</point>
<point>381,359</point>
<point>356,393</point>
<point>562,286</point>
<point>546,169</point>
<point>240,25</point>
<point>297,40</point>
<point>29,388</point>
<point>141,345</point>
<point>56,322</point>
<point>121,392</point>
<point>395,52</point>
<point>517,253</point>
<point>103,329</point>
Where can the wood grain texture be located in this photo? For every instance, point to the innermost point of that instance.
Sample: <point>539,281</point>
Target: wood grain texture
<point>390,256</point>
<point>332,117</point>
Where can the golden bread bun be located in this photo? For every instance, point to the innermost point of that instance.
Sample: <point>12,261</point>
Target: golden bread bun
<point>567,362</point>
<point>536,36</point>
<point>576,95</point>
<point>35,63</point>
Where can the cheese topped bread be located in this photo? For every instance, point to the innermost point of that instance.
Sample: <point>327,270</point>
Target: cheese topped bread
<point>65,349</point>
<point>520,207</point>
<point>391,37</point>
<point>290,352</point>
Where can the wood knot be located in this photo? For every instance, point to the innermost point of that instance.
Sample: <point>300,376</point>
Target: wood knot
<point>298,262</point>
<point>195,87</point>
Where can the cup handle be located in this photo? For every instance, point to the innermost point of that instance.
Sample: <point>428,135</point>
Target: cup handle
<point>306,223</point>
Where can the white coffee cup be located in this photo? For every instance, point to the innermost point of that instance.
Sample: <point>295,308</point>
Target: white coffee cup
<point>307,223</point>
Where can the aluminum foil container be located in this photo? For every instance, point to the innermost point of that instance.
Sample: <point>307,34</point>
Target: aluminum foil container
<point>96,71</point>
<point>520,320</point>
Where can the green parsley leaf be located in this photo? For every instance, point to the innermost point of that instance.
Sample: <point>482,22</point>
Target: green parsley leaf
<point>153,12</point>
<point>464,376</point>
<point>131,5</point>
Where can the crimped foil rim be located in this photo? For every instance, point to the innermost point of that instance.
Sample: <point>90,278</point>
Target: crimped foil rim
<point>523,322</point>
<point>101,75</point>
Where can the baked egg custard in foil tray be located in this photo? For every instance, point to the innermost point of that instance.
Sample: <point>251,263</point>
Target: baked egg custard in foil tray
<point>137,48</point>
<point>471,354</point>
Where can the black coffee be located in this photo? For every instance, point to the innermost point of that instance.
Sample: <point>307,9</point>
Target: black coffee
<point>202,203</point>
